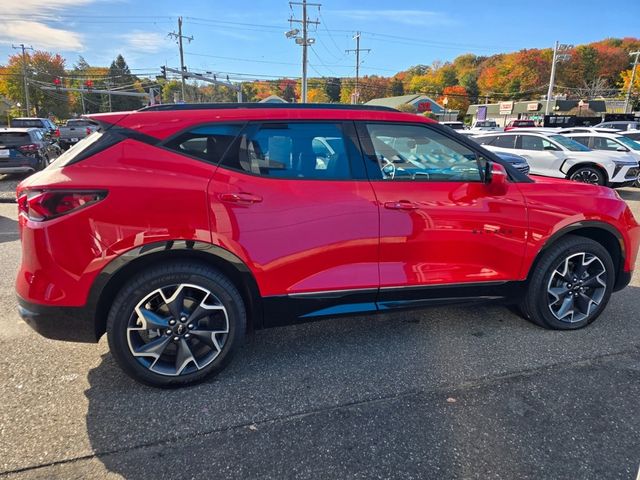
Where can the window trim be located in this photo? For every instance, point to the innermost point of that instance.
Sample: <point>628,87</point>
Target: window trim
<point>352,149</point>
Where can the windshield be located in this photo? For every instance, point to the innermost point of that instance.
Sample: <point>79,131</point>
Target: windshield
<point>14,138</point>
<point>627,142</point>
<point>569,144</point>
<point>74,151</point>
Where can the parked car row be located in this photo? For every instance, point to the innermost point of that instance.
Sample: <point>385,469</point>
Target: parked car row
<point>593,157</point>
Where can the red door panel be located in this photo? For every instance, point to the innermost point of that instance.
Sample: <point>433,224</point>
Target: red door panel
<point>452,233</point>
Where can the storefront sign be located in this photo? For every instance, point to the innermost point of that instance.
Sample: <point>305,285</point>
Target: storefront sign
<point>506,108</point>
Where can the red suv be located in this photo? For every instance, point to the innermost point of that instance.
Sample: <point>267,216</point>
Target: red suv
<point>177,228</point>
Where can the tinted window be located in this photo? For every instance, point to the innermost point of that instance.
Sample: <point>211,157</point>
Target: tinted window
<point>26,123</point>
<point>583,140</point>
<point>208,143</point>
<point>600,143</point>
<point>292,150</point>
<point>569,144</point>
<point>411,152</point>
<point>484,140</point>
<point>633,136</point>
<point>530,142</point>
<point>14,138</point>
<point>504,141</point>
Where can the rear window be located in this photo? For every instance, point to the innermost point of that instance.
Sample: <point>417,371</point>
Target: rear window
<point>26,123</point>
<point>84,144</point>
<point>80,123</point>
<point>523,123</point>
<point>14,138</point>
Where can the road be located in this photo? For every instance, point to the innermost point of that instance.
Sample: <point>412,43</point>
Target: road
<point>455,392</point>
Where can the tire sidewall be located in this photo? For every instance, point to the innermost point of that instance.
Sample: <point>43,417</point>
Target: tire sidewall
<point>549,264</point>
<point>601,178</point>
<point>140,287</point>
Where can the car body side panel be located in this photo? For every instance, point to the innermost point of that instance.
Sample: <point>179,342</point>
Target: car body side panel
<point>63,256</point>
<point>552,207</point>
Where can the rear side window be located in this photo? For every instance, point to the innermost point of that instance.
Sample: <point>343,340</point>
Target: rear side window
<point>14,138</point>
<point>27,123</point>
<point>207,143</point>
<point>583,140</point>
<point>504,141</point>
<point>291,150</point>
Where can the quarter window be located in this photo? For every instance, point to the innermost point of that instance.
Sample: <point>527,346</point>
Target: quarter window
<point>292,150</point>
<point>208,143</point>
<point>411,152</point>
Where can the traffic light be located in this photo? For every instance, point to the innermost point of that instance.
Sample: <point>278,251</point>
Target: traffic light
<point>88,84</point>
<point>163,71</point>
<point>57,82</point>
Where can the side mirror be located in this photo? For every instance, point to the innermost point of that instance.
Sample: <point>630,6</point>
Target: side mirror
<point>550,147</point>
<point>622,149</point>
<point>496,177</point>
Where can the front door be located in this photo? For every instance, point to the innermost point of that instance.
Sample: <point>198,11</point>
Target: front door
<point>543,156</point>
<point>440,224</point>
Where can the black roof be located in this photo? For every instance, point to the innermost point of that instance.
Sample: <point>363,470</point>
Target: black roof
<point>223,106</point>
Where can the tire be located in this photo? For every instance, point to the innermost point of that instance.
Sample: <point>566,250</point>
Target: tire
<point>169,351</point>
<point>567,256</point>
<point>591,175</point>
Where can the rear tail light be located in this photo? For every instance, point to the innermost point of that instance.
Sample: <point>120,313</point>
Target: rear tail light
<point>88,131</point>
<point>57,133</point>
<point>29,148</point>
<point>45,205</point>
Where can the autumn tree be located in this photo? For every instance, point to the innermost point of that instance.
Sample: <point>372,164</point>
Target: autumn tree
<point>42,68</point>
<point>457,98</point>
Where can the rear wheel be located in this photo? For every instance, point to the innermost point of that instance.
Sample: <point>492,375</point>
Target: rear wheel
<point>571,284</point>
<point>176,324</point>
<point>591,175</point>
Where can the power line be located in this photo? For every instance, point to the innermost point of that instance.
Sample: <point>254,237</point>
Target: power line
<point>304,41</point>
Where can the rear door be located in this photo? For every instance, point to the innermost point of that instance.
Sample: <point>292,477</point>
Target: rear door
<point>543,156</point>
<point>291,199</point>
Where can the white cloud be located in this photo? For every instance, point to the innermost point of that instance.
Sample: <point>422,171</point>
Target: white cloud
<point>409,17</point>
<point>38,7</point>
<point>25,21</point>
<point>39,35</point>
<point>146,42</point>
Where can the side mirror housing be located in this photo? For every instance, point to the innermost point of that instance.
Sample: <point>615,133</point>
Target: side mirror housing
<point>496,177</point>
<point>622,149</point>
<point>550,147</point>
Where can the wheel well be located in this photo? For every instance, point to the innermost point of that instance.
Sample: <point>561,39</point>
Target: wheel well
<point>243,281</point>
<point>589,164</point>
<point>605,238</point>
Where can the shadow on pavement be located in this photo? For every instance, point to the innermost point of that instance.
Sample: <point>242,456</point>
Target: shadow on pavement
<point>8,230</point>
<point>630,193</point>
<point>418,394</point>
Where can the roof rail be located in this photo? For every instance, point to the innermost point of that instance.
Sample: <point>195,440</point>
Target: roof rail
<point>227,106</point>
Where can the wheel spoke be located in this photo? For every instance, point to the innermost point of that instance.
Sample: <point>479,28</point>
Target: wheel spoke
<point>184,356</point>
<point>203,310</point>
<point>152,320</point>
<point>208,337</point>
<point>567,308</point>
<point>154,348</point>
<point>176,303</point>
<point>559,293</point>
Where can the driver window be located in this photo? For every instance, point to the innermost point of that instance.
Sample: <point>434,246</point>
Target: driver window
<point>411,152</point>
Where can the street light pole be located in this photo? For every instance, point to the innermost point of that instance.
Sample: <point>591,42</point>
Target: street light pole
<point>557,57</point>
<point>633,78</point>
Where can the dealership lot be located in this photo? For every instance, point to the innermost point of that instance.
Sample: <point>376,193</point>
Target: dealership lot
<point>456,392</point>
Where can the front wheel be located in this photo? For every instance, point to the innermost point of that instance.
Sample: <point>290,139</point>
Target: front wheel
<point>176,324</point>
<point>590,175</point>
<point>571,284</point>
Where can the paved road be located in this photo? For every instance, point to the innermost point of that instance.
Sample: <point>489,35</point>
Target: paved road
<point>450,392</point>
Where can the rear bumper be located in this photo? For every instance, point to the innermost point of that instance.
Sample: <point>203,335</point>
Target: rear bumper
<point>72,324</point>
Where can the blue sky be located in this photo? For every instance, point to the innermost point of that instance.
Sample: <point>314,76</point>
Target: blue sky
<point>246,38</point>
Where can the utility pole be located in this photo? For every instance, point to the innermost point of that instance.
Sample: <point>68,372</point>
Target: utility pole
<point>304,41</point>
<point>557,57</point>
<point>633,78</point>
<point>179,37</point>
<point>356,92</point>
<point>24,74</point>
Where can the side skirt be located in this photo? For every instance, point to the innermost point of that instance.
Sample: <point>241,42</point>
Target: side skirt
<point>283,310</point>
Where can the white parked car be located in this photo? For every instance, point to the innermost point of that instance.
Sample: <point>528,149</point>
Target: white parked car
<point>609,142</point>
<point>587,130</point>
<point>554,155</point>
<point>632,134</point>
<point>454,125</point>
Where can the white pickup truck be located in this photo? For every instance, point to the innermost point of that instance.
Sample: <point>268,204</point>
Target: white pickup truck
<point>480,126</point>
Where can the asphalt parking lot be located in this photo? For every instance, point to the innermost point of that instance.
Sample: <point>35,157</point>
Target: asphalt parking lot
<point>473,392</point>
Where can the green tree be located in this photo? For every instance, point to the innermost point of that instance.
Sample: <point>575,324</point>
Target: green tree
<point>332,87</point>
<point>120,76</point>
<point>396,87</point>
